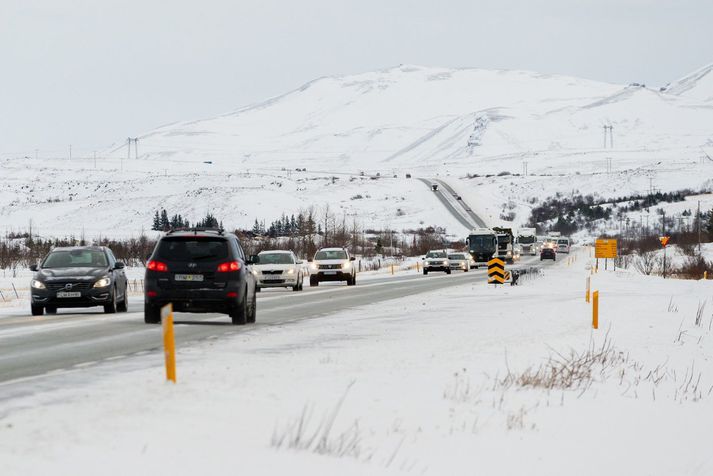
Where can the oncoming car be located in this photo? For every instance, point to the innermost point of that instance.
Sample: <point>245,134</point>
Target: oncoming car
<point>278,269</point>
<point>459,261</point>
<point>563,245</point>
<point>548,252</point>
<point>436,260</point>
<point>332,264</point>
<point>82,276</point>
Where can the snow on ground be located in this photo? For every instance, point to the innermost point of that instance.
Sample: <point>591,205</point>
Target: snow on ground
<point>427,122</point>
<point>425,385</point>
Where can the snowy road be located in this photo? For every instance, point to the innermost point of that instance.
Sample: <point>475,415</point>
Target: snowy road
<point>33,346</point>
<point>460,210</point>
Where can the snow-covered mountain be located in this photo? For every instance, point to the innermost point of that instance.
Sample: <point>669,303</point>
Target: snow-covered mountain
<point>344,130</point>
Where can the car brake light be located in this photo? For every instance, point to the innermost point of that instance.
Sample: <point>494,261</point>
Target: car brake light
<point>232,294</point>
<point>152,294</point>
<point>228,267</point>
<point>154,265</point>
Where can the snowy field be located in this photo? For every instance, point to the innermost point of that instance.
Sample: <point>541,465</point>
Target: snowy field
<point>348,142</point>
<point>469,380</point>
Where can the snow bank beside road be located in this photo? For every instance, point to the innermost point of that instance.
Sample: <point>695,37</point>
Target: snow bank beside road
<point>432,384</point>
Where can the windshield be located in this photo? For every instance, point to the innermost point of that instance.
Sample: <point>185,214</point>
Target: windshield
<point>456,257</point>
<point>330,254</point>
<point>477,243</point>
<point>76,259</point>
<point>436,254</point>
<point>192,249</point>
<point>526,240</point>
<point>563,242</point>
<point>276,258</point>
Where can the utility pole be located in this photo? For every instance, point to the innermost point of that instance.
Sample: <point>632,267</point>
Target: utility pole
<point>524,168</point>
<point>611,136</point>
<point>698,219</point>
<point>95,159</point>
<point>608,165</point>
<point>605,136</point>
<point>70,151</point>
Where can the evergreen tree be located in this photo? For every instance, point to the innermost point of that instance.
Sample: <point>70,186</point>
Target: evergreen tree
<point>156,222</point>
<point>256,228</point>
<point>165,224</point>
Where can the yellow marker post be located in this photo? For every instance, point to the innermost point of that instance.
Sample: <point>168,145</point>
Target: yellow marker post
<point>169,343</point>
<point>586,295</point>
<point>705,274</point>
<point>595,310</point>
<point>392,270</point>
<point>418,267</point>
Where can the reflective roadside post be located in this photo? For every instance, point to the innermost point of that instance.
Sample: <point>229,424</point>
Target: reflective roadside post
<point>595,310</point>
<point>169,344</point>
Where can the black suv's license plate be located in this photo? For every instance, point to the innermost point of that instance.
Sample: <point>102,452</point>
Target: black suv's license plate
<point>189,277</point>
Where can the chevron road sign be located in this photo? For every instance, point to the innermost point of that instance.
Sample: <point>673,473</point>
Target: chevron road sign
<point>496,271</point>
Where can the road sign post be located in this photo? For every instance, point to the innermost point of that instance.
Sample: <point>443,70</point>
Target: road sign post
<point>605,248</point>
<point>664,241</point>
<point>496,271</point>
<point>169,344</point>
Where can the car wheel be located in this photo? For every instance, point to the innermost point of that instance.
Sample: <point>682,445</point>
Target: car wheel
<point>51,310</point>
<point>239,314</point>
<point>351,281</point>
<point>296,287</point>
<point>123,305</point>
<point>302,284</point>
<point>37,310</point>
<point>253,309</point>
<point>313,281</point>
<point>152,314</point>
<point>425,271</point>
<point>465,270</point>
<point>111,307</point>
<point>258,289</point>
<point>448,271</point>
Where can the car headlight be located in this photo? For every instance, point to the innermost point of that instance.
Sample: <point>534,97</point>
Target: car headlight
<point>445,262</point>
<point>38,284</point>
<point>346,265</point>
<point>102,283</point>
<point>313,266</point>
<point>291,271</point>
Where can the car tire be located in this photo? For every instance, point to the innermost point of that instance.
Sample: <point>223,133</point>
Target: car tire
<point>51,310</point>
<point>152,314</point>
<point>111,307</point>
<point>37,310</point>
<point>296,287</point>
<point>302,284</point>
<point>313,281</point>
<point>448,271</point>
<point>466,270</point>
<point>253,310</point>
<point>239,314</point>
<point>258,289</point>
<point>425,271</point>
<point>123,305</point>
<point>351,281</point>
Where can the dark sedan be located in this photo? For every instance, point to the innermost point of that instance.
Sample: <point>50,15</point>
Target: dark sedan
<point>82,276</point>
<point>548,253</point>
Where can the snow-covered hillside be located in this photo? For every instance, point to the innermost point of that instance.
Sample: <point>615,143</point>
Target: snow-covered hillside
<point>345,130</point>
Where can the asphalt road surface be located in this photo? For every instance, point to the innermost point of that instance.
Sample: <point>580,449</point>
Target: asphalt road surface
<point>34,346</point>
<point>460,210</point>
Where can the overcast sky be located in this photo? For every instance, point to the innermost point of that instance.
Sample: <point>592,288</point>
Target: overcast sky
<point>90,73</point>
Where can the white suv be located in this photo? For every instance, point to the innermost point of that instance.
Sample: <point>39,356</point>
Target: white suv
<point>332,264</point>
<point>278,269</point>
<point>436,260</point>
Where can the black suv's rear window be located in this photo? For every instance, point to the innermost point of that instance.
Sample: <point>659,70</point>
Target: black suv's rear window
<point>192,249</point>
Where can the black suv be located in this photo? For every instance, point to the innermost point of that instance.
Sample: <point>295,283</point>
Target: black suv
<point>82,276</point>
<point>200,270</point>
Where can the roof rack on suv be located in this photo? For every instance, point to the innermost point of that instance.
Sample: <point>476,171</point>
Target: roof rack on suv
<point>196,229</point>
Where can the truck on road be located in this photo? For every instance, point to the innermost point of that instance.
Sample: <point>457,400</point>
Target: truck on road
<point>527,239</point>
<point>506,241</point>
<point>482,245</point>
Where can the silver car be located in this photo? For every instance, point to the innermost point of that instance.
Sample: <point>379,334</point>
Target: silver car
<point>459,262</point>
<point>278,269</point>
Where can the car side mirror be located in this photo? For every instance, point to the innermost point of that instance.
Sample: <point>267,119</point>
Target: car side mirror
<point>309,260</point>
<point>33,267</point>
<point>352,258</point>
<point>300,262</point>
<point>254,259</point>
<point>119,265</point>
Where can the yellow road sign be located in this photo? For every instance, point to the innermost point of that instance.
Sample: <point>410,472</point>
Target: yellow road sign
<point>605,249</point>
<point>664,240</point>
<point>496,271</point>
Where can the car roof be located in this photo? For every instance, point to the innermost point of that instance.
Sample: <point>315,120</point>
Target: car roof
<point>286,252</point>
<point>76,248</point>
<point>332,249</point>
<point>202,234</point>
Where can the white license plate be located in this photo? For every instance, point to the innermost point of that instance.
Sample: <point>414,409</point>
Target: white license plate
<point>67,294</point>
<point>330,272</point>
<point>272,278</point>
<point>189,277</point>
